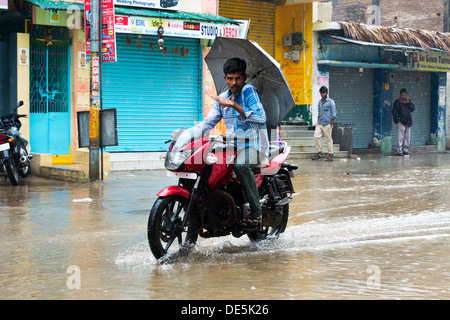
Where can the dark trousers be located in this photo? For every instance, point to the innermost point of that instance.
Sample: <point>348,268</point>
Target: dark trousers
<point>246,160</point>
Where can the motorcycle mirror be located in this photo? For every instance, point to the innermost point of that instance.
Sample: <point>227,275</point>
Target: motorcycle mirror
<point>20,104</point>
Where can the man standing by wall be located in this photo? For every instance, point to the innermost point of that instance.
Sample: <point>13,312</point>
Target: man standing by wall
<point>327,115</point>
<point>401,114</point>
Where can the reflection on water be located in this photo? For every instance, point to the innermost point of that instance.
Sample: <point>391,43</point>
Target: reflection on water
<point>371,229</point>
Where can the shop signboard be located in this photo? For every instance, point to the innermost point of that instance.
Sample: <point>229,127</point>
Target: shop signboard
<point>151,4</point>
<point>179,28</point>
<point>431,60</point>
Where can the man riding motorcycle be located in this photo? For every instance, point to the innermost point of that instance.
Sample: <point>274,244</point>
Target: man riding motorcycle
<point>244,116</point>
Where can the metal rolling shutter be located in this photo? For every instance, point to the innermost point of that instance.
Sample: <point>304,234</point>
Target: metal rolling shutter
<point>418,86</point>
<point>353,95</point>
<point>262,19</point>
<point>154,93</point>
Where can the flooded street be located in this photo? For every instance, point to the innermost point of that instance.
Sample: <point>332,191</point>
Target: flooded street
<point>375,228</point>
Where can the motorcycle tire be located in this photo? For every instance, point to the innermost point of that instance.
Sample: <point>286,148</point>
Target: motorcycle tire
<point>24,172</point>
<point>11,170</point>
<point>271,232</point>
<point>164,230</point>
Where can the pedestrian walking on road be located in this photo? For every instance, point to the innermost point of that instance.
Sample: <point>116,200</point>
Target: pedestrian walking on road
<point>324,127</point>
<point>401,114</point>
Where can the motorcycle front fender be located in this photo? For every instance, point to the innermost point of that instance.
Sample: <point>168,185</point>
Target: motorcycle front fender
<point>174,190</point>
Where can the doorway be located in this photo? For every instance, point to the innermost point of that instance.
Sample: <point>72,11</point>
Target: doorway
<point>49,95</point>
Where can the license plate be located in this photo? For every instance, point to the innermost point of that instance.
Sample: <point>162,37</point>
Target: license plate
<point>4,146</point>
<point>185,175</point>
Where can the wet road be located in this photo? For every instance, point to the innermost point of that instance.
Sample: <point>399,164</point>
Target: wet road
<point>375,228</point>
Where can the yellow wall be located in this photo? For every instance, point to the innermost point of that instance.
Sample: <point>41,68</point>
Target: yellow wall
<point>298,74</point>
<point>23,85</point>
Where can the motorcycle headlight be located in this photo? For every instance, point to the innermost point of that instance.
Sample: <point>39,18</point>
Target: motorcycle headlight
<point>174,160</point>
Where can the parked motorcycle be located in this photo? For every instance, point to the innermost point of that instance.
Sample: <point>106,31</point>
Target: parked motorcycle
<point>209,200</point>
<point>15,154</point>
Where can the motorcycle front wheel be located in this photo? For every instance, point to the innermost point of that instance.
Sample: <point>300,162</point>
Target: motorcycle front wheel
<point>165,232</point>
<point>11,170</point>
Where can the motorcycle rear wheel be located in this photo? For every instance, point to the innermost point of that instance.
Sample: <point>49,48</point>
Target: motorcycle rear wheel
<point>11,170</point>
<point>165,234</point>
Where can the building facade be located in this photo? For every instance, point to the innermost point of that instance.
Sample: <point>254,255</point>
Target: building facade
<point>431,15</point>
<point>365,75</point>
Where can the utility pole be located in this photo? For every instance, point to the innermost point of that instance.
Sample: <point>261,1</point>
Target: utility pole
<point>94,110</point>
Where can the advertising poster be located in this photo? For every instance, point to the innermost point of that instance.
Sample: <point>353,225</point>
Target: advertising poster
<point>87,24</point>
<point>108,33</point>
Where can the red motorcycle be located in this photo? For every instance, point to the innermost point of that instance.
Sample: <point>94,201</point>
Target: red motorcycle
<point>209,200</point>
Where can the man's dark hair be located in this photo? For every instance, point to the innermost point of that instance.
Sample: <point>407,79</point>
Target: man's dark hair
<point>403,90</point>
<point>235,65</point>
<point>323,89</point>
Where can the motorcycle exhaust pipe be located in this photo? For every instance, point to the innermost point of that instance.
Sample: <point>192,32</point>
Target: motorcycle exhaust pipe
<point>24,160</point>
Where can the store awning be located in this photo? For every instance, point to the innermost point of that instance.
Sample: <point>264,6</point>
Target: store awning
<point>206,17</point>
<point>57,4</point>
<point>141,12</point>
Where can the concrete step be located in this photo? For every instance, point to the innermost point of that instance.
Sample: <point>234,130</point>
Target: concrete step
<point>295,156</point>
<point>77,172</point>
<point>297,134</point>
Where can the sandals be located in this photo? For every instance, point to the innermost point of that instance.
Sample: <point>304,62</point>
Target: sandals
<point>320,156</point>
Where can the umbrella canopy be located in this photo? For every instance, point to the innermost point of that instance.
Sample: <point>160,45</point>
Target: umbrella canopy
<point>263,72</point>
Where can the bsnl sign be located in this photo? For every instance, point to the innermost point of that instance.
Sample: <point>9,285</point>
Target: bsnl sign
<point>151,4</point>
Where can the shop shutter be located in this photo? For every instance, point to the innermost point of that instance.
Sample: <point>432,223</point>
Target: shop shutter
<point>155,92</point>
<point>352,92</point>
<point>418,86</point>
<point>262,20</point>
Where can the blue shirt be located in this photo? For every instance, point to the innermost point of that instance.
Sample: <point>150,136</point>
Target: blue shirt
<point>327,112</point>
<point>253,129</point>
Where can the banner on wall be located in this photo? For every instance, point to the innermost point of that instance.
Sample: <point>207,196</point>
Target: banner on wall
<point>151,4</point>
<point>179,28</point>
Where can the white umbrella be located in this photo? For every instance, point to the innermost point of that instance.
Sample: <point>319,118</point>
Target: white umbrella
<point>263,72</point>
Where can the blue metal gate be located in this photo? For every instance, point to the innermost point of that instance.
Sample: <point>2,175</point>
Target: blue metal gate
<point>49,96</point>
